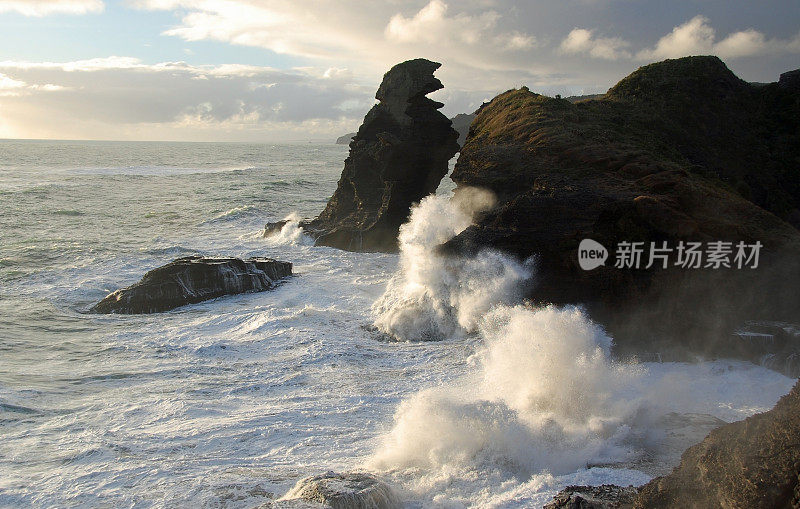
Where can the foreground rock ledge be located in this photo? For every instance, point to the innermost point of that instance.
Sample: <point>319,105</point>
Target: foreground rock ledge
<point>754,464</point>
<point>194,279</point>
<point>398,157</point>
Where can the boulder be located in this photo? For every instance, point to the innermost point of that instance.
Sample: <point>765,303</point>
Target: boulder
<point>194,279</point>
<point>344,491</point>
<point>754,463</point>
<point>398,156</point>
<point>606,496</point>
<point>679,151</point>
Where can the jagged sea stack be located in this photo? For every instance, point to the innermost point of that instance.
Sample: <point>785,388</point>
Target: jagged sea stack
<point>398,157</point>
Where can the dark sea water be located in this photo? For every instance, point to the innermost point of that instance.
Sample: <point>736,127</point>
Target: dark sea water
<point>229,402</point>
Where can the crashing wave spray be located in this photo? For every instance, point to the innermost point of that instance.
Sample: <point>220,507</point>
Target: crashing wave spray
<point>545,396</point>
<point>291,233</point>
<point>435,296</point>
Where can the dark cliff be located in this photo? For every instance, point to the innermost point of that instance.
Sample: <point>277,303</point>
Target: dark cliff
<point>398,156</point>
<point>680,150</point>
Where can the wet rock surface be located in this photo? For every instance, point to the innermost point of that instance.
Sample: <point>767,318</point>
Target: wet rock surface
<point>191,280</point>
<point>344,491</point>
<point>607,496</point>
<point>398,156</point>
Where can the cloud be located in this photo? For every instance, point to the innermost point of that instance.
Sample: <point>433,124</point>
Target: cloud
<point>582,41</point>
<point>7,83</point>
<point>93,98</point>
<point>335,52</point>
<point>698,37</point>
<point>44,7</point>
<point>432,25</point>
<point>366,35</point>
<point>695,37</point>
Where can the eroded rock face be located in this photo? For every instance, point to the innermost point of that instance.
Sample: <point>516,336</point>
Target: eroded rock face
<point>679,151</point>
<point>754,463</point>
<point>398,156</point>
<point>344,491</point>
<point>194,279</point>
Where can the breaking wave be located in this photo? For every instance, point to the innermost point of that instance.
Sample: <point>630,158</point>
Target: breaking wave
<point>435,296</point>
<point>291,233</point>
<point>545,395</point>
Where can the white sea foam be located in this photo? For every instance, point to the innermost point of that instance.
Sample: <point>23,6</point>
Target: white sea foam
<point>291,233</point>
<point>543,396</point>
<point>435,296</point>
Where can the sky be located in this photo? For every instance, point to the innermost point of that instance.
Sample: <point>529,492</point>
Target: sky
<point>281,70</point>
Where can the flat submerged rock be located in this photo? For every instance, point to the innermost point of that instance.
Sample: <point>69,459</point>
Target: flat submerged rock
<point>193,279</point>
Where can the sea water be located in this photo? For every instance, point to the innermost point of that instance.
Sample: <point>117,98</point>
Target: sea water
<point>228,403</point>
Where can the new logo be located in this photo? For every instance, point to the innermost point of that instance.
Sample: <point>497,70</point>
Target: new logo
<point>591,254</point>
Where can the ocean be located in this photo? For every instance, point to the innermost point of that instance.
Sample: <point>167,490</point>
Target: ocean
<point>230,402</point>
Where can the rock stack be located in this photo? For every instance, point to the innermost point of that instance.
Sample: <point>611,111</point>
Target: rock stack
<point>398,157</point>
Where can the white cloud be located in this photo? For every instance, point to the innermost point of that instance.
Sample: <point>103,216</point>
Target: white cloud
<point>698,37</point>
<point>10,87</point>
<point>432,25</point>
<point>364,36</point>
<point>7,83</point>
<point>695,37</point>
<point>100,97</point>
<point>45,7</point>
<point>582,41</point>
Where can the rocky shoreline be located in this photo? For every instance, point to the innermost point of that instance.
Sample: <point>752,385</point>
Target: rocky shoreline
<point>680,152</point>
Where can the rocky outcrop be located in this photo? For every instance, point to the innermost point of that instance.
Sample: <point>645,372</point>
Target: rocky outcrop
<point>790,80</point>
<point>607,496</point>
<point>398,156</point>
<point>679,151</point>
<point>753,463</point>
<point>194,279</point>
<point>345,139</point>
<point>461,123</point>
<point>344,491</point>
